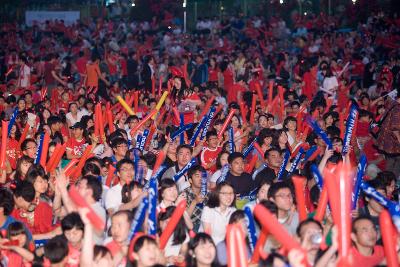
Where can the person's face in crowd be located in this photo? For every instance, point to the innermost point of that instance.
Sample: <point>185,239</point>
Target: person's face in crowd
<point>224,159</point>
<point>218,127</point>
<point>270,122</point>
<point>78,133</point>
<point>274,159</point>
<point>283,139</point>
<point>21,105</point>
<point>365,101</point>
<point>212,141</point>
<point>51,150</point>
<point>147,255</point>
<point>365,235</point>
<point>21,203</point>
<point>291,125</point>
<point>183,156</point>
<point>283,199</point>
<point>30,150</point>
<point>390,188</point>
<point>337,146</point>
<point>170,194</point>
<point>329,121</point>
<point>21,238</point>
<point>83,190</point>
<point>103,260</point>
<point>74,236</point>
<point>373,205</point>
<point>126,173</point>
<point>153,105</point>
<point>172,147</point>
<point>73,108</point>
<point>306,235</point>
<point>123,118</point>
<point>204,253</point>
<point>237,166</point>
<point>136,192</point>
<point>199,60</point>
<point>196,180</point>
<point>177,83</point>
<point>235,122</point>
<point>46,114</point>
<point>120,227</point>
<point>28,98</point>
<point>13,129</point>
<point>263,121</point>
<point>295,109</point>
<point>120,150</point>
<point>226,196</point>
<point>320,142</point>
<point>267,140</point>
<point>263,192</point>
<point>132,123</point>
<point>41,185</point>
<point>47,104</point>
<point>90,123</point>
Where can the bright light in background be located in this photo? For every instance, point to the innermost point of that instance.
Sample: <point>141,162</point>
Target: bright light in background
<point>281,2</point>
<point>354,1</point>
<point>133,3</point>
<point>184,3</point>
<point>305,13</point>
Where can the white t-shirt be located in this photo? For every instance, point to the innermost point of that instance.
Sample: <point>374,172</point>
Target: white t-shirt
<point>330,83</point>
<point>24,76</point>
<point>173,250</point>
<point>218,221</point>
<point>72,120</point>
<point>114,197</point>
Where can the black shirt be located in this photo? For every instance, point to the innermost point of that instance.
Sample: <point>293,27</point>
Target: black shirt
<point>268,175</point>
<point>242,184</point>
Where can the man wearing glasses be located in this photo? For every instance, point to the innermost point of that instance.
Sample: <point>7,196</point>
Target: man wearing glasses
<point>125,172</point>
<point>281,194</point>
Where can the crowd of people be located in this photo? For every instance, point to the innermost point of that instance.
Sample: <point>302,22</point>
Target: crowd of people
<point>136,144</point>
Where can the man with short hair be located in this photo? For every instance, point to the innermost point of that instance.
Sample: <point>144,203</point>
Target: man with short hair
<point>183,156</point>
<point>209,154</point>
<point>310,233</point>
<point>195,200</point>
<point>76,144</point>
<point>273,159</point>
<point>241,181</point>
<point>119,147</point>
<point>125,172</point>
<point>281,194</point>
<point>120,228</point>
<point>364,235</point>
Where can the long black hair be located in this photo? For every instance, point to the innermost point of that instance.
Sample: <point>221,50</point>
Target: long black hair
<point>200,238</point>
<point>180,231</point>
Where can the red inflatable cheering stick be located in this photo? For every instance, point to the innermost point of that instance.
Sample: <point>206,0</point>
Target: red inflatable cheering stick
<point>388,232</point>
<point>236,246</point>
<point>176,216</point>
<point>299,184</point>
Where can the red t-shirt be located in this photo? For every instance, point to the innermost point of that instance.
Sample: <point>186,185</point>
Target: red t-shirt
<point>233,91</point>
<point>77,147</point>
<point>81,65</point>
<point>12,152</point>
<point>212,75</point>
<point>209,155</point>
<point>368,261</point>
<point>42,218</point>
<point>48,77</point>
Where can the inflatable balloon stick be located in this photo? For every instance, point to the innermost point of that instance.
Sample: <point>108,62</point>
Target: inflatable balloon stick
<point>236,246</point>
<point>79,201</point>
<point>99,123</point>
<point>299,184</point>
<point>176,216</point>
<point>56,157</point>
<point>259,245</point>
<point>226,123</point>
<point>243,112</point>
<point>339,185</point>
<point>159,161</point>
<point>388,232</point>
<point>4,130</point>
<point>259,149</point>
<point>23,135</point>
<point>252,164</point>
<point>143,121</point>
<point>253,109</point>
<point>160,103</point>
<point>69,168</point>
<point>270,92</point>
<point>251,228</point>
<point>125,105</point>
<point>260,95</point>
<point>322,203</point>
<point>110,175</point>
<point>207,107</point>
<point>81,163</point>
<point>271,224</point>
<point>45,149</point>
